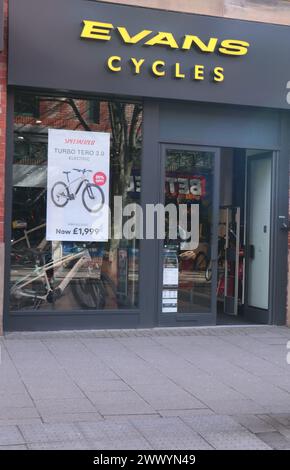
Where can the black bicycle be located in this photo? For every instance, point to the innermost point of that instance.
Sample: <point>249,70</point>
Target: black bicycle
<point>92,196</point>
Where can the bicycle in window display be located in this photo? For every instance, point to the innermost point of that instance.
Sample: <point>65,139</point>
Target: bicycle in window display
<point>42,280</point>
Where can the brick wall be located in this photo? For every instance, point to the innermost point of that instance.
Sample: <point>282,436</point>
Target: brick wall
<point>3,88</point>
<point>268,11</point>
<point>3,96</point>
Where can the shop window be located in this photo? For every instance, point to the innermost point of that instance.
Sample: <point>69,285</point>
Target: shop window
<point>26,152</point>
<point>94,112</point>
<point>66,275</point>
<point>26,105</point>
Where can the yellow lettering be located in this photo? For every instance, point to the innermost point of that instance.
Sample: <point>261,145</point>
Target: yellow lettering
<point>178,74</point>
<point>137,64</point>
<point>132,39</point>
<point>234,47</point>
<point>218,74</point>
<point>156,68</point>
<point>96,30</point>
<point>190,40</point>
<point>163,39</point>
<point>199,72</point>
<point>111,66</point>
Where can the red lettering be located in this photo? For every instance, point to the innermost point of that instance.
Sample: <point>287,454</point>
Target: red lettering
<point>79,142</point>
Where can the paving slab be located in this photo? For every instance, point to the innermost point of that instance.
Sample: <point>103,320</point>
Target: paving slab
<point>282,418</point>
<point>171,433</point>
<point>171,397</point>
<point>181,413</point>
<point>20,447</point>
<point>120,403</point>
<point>70,445</point>
<point>207,387</point>
<point>179,442</point>
<point>113,435</point>
<point>11,413</point>
<point>66,405</point>
<point>90,383</point>
<point>254,423</point>
<point>235,440</point>
<point>43,433</point>
<point>131,444</point>
<point>17,421</point>
<point>16,400</point>
<point>232,407</point>
<point>208,423</point>
<point>10,435</point>
<point>130,418</point>
<point>70,417</point>
<point>282,381</point>
<point>275,440</point>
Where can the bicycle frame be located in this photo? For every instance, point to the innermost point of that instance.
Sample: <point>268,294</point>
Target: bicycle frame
<point>40,272</point>
<point>83,180</point>
<point>26,237</point>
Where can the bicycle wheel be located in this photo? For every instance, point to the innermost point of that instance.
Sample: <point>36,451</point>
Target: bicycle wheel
<point>27,298</point>
<point>60,194</point>
<point>93,198</point>
<point>112,296</point>
<point>89,293</point>
<point>95,293</point>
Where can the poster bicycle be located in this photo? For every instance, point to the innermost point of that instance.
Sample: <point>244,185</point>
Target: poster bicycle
<point>78,185</point>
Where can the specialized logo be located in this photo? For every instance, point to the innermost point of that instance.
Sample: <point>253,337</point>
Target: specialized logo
<point>99,31</point>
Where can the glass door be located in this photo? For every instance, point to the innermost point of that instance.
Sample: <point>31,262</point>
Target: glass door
<point>188,254</point>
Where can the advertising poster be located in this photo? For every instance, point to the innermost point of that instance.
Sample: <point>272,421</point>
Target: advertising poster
<point>78,185</point>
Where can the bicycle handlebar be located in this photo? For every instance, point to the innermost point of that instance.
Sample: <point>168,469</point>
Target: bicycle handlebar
<point>82,171</point>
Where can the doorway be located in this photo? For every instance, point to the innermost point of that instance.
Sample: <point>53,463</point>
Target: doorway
<point>245,233</point>
<point>223,276</point>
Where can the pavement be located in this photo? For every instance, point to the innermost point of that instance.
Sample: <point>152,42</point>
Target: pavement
<point>185,388</point>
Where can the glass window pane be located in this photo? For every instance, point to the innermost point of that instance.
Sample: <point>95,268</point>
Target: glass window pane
<point>187,269</point>
<point>67,275</point>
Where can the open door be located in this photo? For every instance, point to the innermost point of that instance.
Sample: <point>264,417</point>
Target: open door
<point>258,235</point>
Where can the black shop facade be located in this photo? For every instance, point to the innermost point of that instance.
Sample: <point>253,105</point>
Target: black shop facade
<point>112,107</point>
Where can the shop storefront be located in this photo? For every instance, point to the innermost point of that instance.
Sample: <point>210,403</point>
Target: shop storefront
<point>111,105</point>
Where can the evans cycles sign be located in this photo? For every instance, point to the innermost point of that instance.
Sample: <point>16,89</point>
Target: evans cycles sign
<point>91,47</point>
<point>78,185</point>
<point>159,68</point>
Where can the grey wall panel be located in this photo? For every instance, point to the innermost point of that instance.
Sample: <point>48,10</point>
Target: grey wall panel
<point>46,51</point>
<point>220,125</point>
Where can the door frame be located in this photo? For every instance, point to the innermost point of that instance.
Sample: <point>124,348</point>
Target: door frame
<point>190,319</point>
